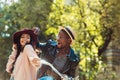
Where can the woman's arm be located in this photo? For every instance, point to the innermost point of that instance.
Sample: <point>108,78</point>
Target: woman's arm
<point>11,59</point>
<point>32,56</point>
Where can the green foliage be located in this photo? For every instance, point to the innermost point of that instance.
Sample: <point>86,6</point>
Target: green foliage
<point>107,73</point>
<point>110,18</point>
<point>91,36</point>
<point>7,27</point>
<point>24,13</point>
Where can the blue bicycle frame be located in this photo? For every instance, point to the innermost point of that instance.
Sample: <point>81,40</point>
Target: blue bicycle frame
<point>46,78</point>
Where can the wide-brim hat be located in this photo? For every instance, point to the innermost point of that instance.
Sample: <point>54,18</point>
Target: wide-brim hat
<point>17,35</point>
<point>68,30</point>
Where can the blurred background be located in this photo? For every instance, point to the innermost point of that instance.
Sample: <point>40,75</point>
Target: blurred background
<point>95,22</point>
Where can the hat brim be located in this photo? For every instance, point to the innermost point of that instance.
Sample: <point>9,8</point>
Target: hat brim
<point>17,35</point>
<point>68,31</point>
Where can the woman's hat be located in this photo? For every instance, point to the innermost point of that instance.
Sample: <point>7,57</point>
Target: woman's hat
<point>69,31</point>
<point>17,35</point>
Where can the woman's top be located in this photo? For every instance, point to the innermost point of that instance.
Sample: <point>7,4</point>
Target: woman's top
<point>26,65</point>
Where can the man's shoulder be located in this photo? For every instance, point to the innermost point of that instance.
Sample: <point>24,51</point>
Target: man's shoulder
<point>73,56</point>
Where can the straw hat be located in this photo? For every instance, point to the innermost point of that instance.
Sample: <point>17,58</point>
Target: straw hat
<point>69,31</point>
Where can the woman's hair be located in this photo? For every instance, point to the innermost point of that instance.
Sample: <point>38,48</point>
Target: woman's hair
<point>20,49</point>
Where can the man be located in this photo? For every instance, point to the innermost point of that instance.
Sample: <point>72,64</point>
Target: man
<point>60,55</point>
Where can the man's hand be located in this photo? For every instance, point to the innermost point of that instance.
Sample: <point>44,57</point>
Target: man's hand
<point>65,77</point>
<point>36,30</point>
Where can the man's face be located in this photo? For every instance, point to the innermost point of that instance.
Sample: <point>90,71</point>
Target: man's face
<point>63,40</point>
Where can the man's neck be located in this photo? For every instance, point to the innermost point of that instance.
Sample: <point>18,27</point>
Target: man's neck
<point>65,50</point>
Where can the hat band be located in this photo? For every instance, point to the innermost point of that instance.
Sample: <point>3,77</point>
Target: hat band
<point>70,33</point>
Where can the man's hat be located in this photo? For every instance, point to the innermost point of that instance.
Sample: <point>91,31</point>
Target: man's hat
<point>69,31</point>
<point>16,35</point>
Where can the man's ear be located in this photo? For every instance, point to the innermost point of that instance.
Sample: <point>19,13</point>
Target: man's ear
<point>69,40</point>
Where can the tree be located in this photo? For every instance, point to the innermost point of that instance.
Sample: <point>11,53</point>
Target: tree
<point>92,37</point>
<point>24,13</point>
<point>94,22</point>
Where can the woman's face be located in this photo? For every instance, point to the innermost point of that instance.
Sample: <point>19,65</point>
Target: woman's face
<point>63,40</point>
<point>25,38</point>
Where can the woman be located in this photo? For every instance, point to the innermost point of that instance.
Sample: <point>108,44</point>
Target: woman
<point>23,62</point>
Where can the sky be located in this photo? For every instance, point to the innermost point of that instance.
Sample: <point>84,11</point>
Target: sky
<point>8,1</point>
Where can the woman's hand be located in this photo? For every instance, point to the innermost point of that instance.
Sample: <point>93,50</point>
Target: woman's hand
<point>14,47</point>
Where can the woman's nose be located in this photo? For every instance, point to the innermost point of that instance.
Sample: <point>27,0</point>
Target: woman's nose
<point>26,39</point>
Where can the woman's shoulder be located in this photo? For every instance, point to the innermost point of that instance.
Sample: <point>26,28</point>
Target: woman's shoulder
<point>28,46</point>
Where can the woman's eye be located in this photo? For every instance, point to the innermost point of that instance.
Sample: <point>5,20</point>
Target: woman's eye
<point>28,38</point>
<point>22,37</point>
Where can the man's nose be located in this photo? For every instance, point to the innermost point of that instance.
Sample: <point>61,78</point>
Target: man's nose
<point>57,37</point>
